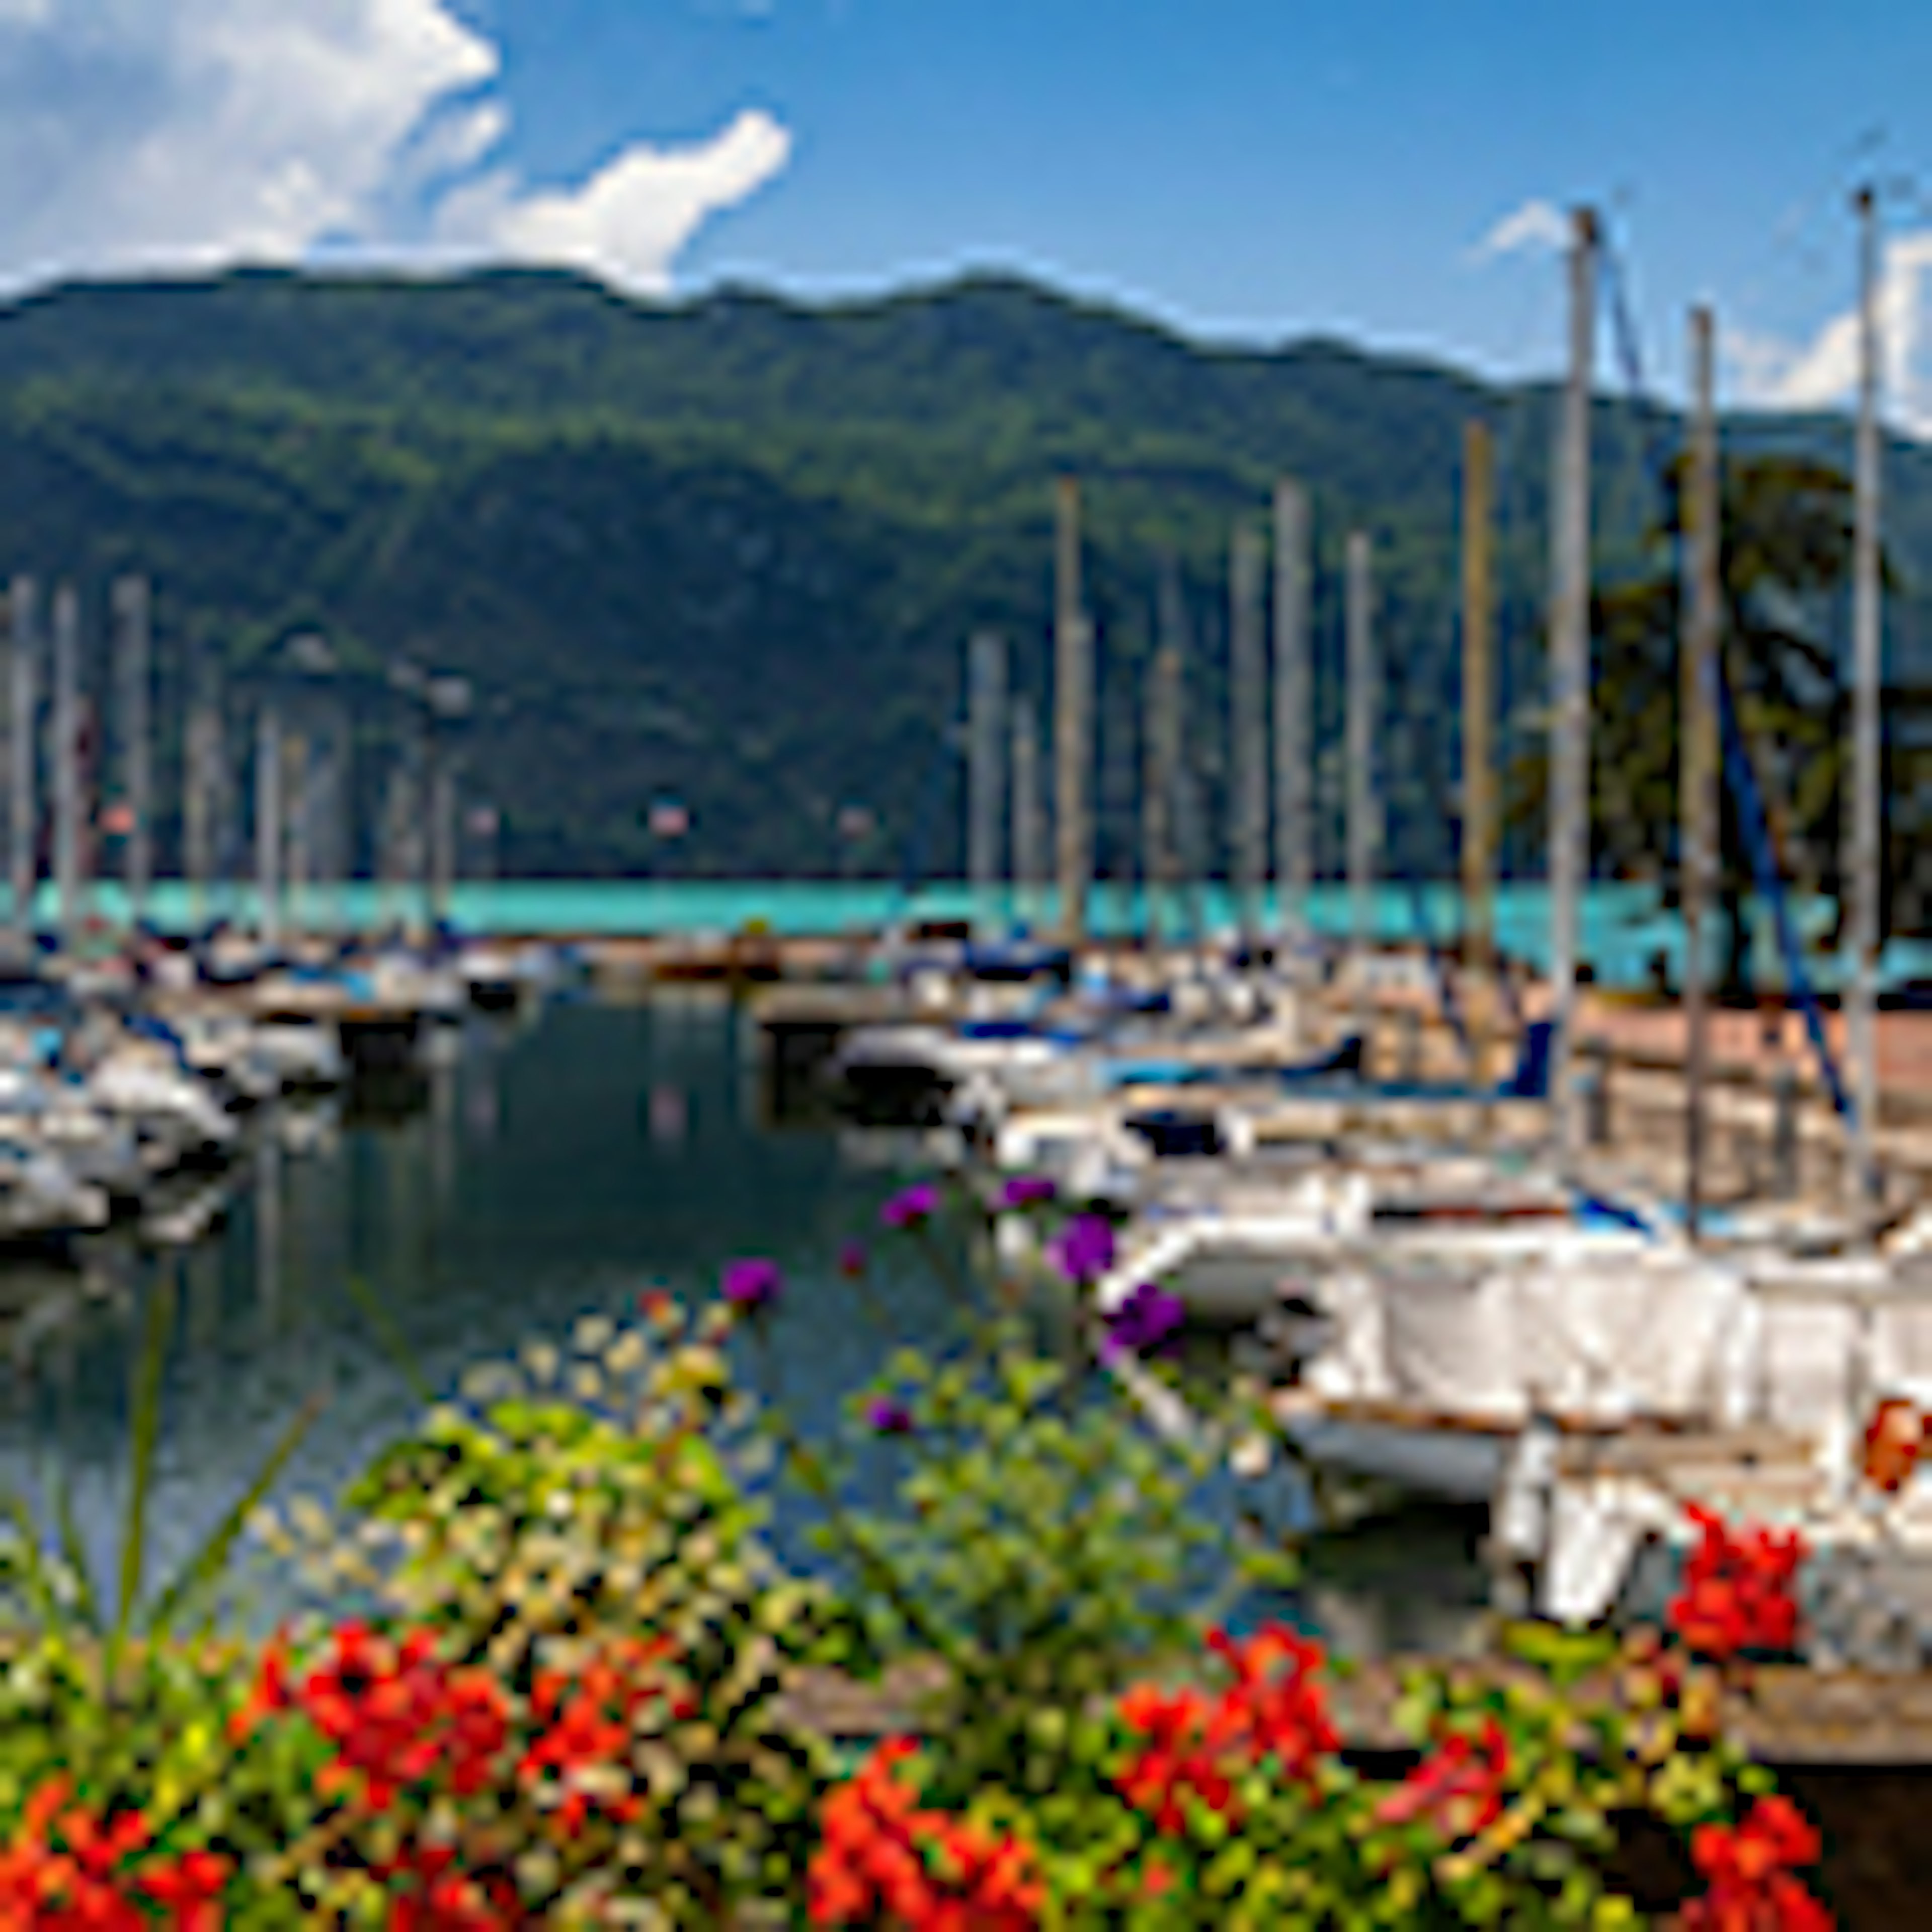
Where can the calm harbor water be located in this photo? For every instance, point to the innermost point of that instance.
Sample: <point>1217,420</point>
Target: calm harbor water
<point>543,1174</point>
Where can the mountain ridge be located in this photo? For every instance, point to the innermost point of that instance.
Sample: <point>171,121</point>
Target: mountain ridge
<point>730,547</point>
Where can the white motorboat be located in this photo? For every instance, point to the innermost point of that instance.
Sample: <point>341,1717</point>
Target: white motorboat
<point>39,1199</point>
<point>140,1083</point>
<point>304,1055</point>
<point>498,979</point>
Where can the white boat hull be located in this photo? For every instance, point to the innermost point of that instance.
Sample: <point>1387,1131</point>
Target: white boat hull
<point>1443,1464</point>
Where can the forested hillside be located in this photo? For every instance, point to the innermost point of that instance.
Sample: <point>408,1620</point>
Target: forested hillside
<point>730,551</point>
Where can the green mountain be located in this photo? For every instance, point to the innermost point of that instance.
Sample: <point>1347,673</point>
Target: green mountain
<point>730,550</point>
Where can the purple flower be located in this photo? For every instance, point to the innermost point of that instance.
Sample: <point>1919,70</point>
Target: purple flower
<point>913,1208</point>
<point>752,1284</point>
<point>1027,1190</point>
<point>888,1417</point>
<point>1144,1322</point>
<point>1083,1250</point>
<point>852,1259</point>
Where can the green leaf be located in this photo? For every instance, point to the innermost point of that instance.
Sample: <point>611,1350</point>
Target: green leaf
<point>31,1563</point>
<point>203,1569</point>
<point>145,1437</point>
<point>73,1553</point>
<point>391,1338</point>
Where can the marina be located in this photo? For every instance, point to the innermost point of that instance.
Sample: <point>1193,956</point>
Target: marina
<point>1484,1250</point>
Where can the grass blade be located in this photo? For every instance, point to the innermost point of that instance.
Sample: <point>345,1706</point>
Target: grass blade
<point>29,1563</point>
<point>391,1337</point>
<point>202,1569</point>
<point>73,1553</point>
<point>147,1429</point>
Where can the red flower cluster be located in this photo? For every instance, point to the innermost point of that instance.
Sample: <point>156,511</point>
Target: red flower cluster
<point>1182,1754</point>
<point>1274,1707</point>
<point>66,1870</point>
<point>1458,1787</point>
<point>1738,1589</point>
<point>591,1715</point>
<point>397,1715</point>
<point>1749,1870</point>
<point>884,1856</point>
<point>428,1894</point>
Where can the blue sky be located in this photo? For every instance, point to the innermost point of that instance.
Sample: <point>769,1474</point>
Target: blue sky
<point>1253,169</point>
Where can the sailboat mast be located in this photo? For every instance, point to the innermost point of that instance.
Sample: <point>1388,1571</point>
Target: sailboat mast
<point>1247,729</point>
<point>1861,993</point>
<point>1073,681</point>
<point>66,760</point>
<point>1029,847</point>
<point>23,818</point>
<point>986,708</point>
<point>131,610</point>
<point>1293,816</point>
<point>1478,753</point>
<point>1364,827</point>
<point>1158,760</point>
<point>1570,678</point>
<point>1703,619</point>
<point>268,825</point>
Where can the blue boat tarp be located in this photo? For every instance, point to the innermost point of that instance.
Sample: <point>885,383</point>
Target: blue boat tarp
<point>1011,962</point>
<point>1004,1027</point>
<point>1345,1060</point>
<point>1529,1082</point>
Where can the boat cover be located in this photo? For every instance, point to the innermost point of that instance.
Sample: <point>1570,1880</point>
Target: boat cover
<point>1629,1331</point>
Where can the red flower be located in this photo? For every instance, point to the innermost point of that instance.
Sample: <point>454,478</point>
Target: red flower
<point>882,1857</point>
<point>429,1894</point>
<point>1276,1706</point>
<point>397,1716</point>
<point>1458,1787</point>
<point>1181,1755</point>
<point>1738,1589</point>
<point>68,1870</point>
<point>1748,1868</point>
<point>591,1717</point>
<point>1156,1879</point>
<point>189,1887</point>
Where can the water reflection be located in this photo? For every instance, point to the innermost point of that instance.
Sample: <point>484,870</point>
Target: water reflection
<point>543,1173</point>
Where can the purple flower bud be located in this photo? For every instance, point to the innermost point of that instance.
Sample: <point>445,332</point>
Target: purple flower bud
<point>1083,1250</point>
<point>1027,1190</point>
<point>852,1259</point>
<point>752,1284</point>
<point>888,1417</point>
<point>1146,1321</point>
<point>913,1208</point>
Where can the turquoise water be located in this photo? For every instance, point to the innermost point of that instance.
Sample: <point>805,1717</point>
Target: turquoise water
<point>1623,926</point>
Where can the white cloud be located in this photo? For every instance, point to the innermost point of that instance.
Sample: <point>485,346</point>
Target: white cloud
<point>161,135</point>
<point>1536,224</point>
<point>1823,372</point>
<point>455,141</point>
<point>629,220</point>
